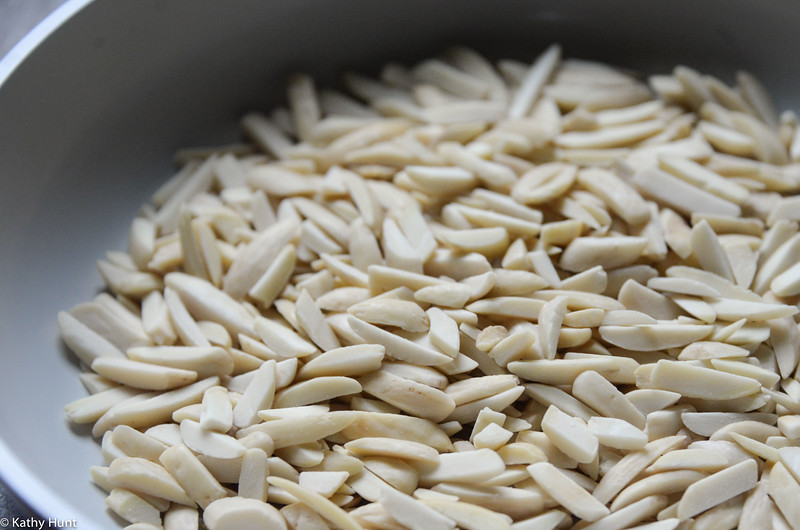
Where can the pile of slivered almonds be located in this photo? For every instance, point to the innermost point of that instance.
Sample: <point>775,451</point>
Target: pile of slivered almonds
<point>466,294</point>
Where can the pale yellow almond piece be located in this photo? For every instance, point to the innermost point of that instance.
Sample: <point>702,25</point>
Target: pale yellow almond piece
<point>155,320</point>
<point>611,136</point>
<point>569,435</point>
<point>766,377</point>
<point>404,449</point>
<point>593,280</point>
<point>205,361</point>
<point>768,453</point>
<point>142,375</point>
<point>179,517</point>
<point>415,398</point>
<point>493,437</point>
<point>491,242</point>
<point>325,483</point>
<point>790,426</point>
<point>374,424</point>
<point>564,371</point>
<point>135,443</point>
<point>396,346</point>
<point>648,400</point>
<point>470,467</point>
<point>259,394</point>
<point>627,317</point>
<point>454,295</point>
<point>787,283</point>
<point>199,484</point>
<point>516,282</point>
<point>508,306</point>
<point>442,179</point>
<point>550,318</point>
<point>696,381</point>
<point>790,458</point>
<point>732,310</point>
<point>543,265</point>
<point>709,251</point>
<point>681,195</point>
<point>726,140</point>
<point>317,502</point>
<point>681,286</point>
<point>139,474</point>
<point>566,492</point>
<point>634,513</point>
<point>533,81</point>
<point>704,178</point>
<point>551,395</point>
<point>312,321</point>
<point>475,388</point>
<point>649,337</point>
<point>711,350</point>
<point>520,342</point>
<point>90,408</point>
<point>717,488</point>
<point>594,390</point>
<point>751,428</point>
<point>489,219</point>
<point>133,508</point>
<point>341,298</point>
<point>783,489</point>
<point>387,311</point>
<point>269,285</point>
<point>616,433</point>
<point>316,390</point>
<point>421,374</point>
<point>616,193</point>
<point>779,260</point>
<point>544,183</point>
<point>210,443</point>
<point>113,321</point>
<point>412,513</point>
<point>287,432</point>
<point>549,520</point>
<point>514,502</point>
<point>695,459</point>
<point>240,512</point>
<point>492,174</point>
<point>470,516</point>
<point>626,469</point>
<point>584,318</point>
<point>443,333</point>
<point>345,361</point>
<point>609,252</point>
<point>397,473</point>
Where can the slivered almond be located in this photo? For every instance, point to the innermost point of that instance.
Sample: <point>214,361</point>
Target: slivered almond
<point>386,311</point>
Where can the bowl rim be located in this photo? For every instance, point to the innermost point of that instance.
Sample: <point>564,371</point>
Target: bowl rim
<point>26,485</point>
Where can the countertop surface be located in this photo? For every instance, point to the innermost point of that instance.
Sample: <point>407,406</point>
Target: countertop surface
<point>17,18</point>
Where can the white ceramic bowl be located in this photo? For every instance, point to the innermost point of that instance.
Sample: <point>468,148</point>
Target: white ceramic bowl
<point>94,102</point>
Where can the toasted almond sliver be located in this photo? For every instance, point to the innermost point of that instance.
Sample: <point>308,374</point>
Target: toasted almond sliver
<point>566,492</point>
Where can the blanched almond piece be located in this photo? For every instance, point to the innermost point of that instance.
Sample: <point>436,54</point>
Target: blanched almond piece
<point>396,346</point>
<point>258,395</point>
<point>680,195</point>
<point>696,459</point>
<point>470,516</point>
<point>566,492</point>
<point>231,513</point>
<point>594,390</point>
<point>179,517</point>
<point>404,449</point>
<point>610,252</point>
<point>155,319</point>
<point>491,242</point>
<point>316,390</point>
<point>443,333</point>
<point>717,488</point>
<point>470,467</point>
<point>488,219</point>
<point>281,339</point>
<point>192,475</point>
<point>492,174</point>
<point>142,375</point>
<point>550,318</point>
<point>210,443</point>
<point>787,283</point>
<point>732,310</point>
<point>312,321</point>
<point>711,350</point>
<point>569,435</point>
<point>651,337</point>
<point>392,312</point>
<point>412,513</point>
<point>618,370</point>
<point>697,381</point>
<point>783,488</point>
<point>133,508</point>
<point>139,474</point>
<point>288,432</point>
<point>475,388</point>
<point>317,502</point>
<point>346,361</point>
<point>449,294</point>
<point>620,197</point>
<point>146,410</point>
<point>709,252</point>
<point>415,398</point>
<point>508,306</point>
<point>533,81</point>
<point>205,361</point>
<point>469,411</point>
<point>616,433</point>
<point>90,408</point>
<point>135,443</point>
<point>269,285</point>
<point>544,183</point>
